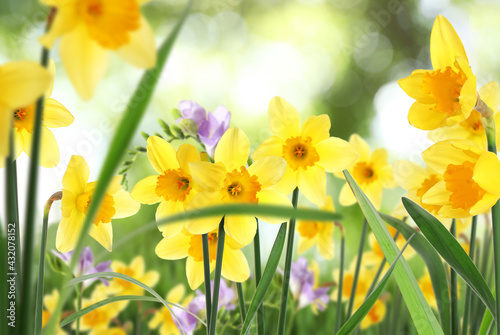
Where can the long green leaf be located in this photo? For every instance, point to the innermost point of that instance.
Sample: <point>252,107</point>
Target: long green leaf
<point>354,321</point>
<point>451,251</point>
<point>267,277</point>
<point>422,315</point>
<point>434,265</point>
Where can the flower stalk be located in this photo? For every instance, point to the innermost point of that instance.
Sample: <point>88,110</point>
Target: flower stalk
<point>338,314</point>
<point>357,269</point>
<point>258,275</point>
<point>468,293</point>
<point>206,272</point>
<point>455,318</point>
<point>221,236</point>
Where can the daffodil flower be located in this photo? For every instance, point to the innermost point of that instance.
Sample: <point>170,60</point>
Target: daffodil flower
<point>318,233</point>
<point>229,181</point>
<point>173,187</point>
<point>50,303</point>
<point>21,83</point>
<point>371,172</point>
<point>136,270</point>
<point>375,316</point>
<point>470,184</point>
<point>447,94</point>
<point>89,29</point>
<point>76,198</point>
<point>375,256</point>
<point>427,289</point>
<point>163,316</point>
<point>186,245</point>
<point>309,151</point>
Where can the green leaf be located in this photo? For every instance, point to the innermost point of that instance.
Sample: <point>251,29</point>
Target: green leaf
<point>267,277</point>
<point>354,321</point>
<point>90,308</point>
<point>451,251</point>
<point>434,265</point>
<point>422,315</point>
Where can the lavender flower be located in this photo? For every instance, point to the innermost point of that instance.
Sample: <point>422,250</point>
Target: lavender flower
<point>302,286</point>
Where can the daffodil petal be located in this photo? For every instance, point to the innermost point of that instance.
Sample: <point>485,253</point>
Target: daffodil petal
<point>490,94</point>
<point>185,154</point>
<point>305,244</point>
<point>138,264</point>
<point>312,184</point>
<point>468,98</point>
<point>235,266</point>
<point>166,209</point>
<point>317,127</point>
<point>272,197</point>
<point>174,248</point>
<point>176,294</point>
<point>374,193</point>
<point>55,115</point>
<point>68,203</point>
<point>206,224</point>
<point>145,191</point>
<point>284,120</point>
<point>194,272</point>
<point>233,149</point>
<point>124,205</point>
<point>241,228</point>
<point>103,234</point>
<point>335,154</point>
<point>437,194</point>
<point>444,153</point>
<point>487,172</point>
<point>161,154</point>
<point>208,176</point>
<point>325,242</point>
<point>346,197</point>
<point>484,204</point>
<point>273,146</point>
<point>409,175</point>
<point>288,183</point>
<point>84,59</point>
<point>423,116</point>
<point>69,230</point>
<point>77,175</point>
<point>412,86</point>
<point>445,44</point>
<point>140,51</point>
<point>269,170</point>
<point>49,150</point>
<point>64,21</point>
<point>5,128</point>
<point>360,146</point>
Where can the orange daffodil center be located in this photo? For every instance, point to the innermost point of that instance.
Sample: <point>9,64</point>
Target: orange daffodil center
<point>444,87</point>
<point>465,192</point>
<point>240,186</point>
<point>106,211</point>
<point>299,152</point>
<point>173,185</point>
<point>195,247</point>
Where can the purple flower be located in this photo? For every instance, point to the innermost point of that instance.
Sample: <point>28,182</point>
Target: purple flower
<point>192,111</point>
<point>302,286</point>
<point>86,265</point>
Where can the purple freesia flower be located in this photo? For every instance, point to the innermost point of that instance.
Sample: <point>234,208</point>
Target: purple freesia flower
<point>190,110</point>
<point>302,286</point>
<point>86,265</point>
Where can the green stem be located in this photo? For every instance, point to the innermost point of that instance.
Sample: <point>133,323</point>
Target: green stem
<point>79,306</point>
<point>357,269</point>
<point>455,318</point>
<point>258,275</point>
<point>241,301</point>
<point>288,266</point>
<point>206,272</point>
<point>41,263</point>
<point>338,313</point>
<point>221,236</point>
<point>380,269</point>
<point>468,293</point>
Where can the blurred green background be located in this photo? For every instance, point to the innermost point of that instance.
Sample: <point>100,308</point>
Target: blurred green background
<point>339,57</point>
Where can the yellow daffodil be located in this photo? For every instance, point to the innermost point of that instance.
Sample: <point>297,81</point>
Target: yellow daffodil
<point>136,270</point>
<point>110,331</point>
<point>50,303</point>
<point>173,187</point>
<point>229,181</point>
<point>55,115</point>
<point>21,83</point>
<point>470,184</point>
<point>234,264</point>
<point>425,284</point>
<point>318,233</point>
<point>309,151</point>
<point>371,172</point>
<point>472,127</point>
<point>89,29</point>
<point>77,195</point>
<point>365,279</point>
<point>375,316</point>
<point>164,317</point>
<point>375,256</point>
<point>447,94</point>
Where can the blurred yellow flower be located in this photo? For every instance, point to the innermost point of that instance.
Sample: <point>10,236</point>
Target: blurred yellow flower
<point>234,264</point>
<point>309,151</point>
<point>470,184</point>
<point>50,303</point>
<point>164,317</point>
<point>90,28</point>
<point>425,284</point>
<point>76,198</point>
<point>371,172</point>
<point>229,181</point>
<point>365,279</point>
<point>375,316</point>
<point>318,233</point>
<point>21,83</point>
<point>173,187</point>
<point>446,95</point>
<point>136,270</point>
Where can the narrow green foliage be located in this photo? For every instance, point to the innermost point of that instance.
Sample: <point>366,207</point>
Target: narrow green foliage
<point>468,293</point>
<point>206,273</point>
<point>221,237</point>
<point>258,275</point>
<point>357,269</point>
<point>241,302</point>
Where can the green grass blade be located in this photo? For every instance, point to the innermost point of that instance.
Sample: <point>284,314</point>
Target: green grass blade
<point>354,321</point>
<point>241,302</point>
<point>258,275</point>
<point>221,236</point>
<point>267,277</point>
<point>455,317</point>
<point>338,312</point>
<point>206,273</point>
<point>434,265</point>
<point>92,307</point>
<point>451,251</point>
<point>468,293</point>
<point>361,248</point>
<point>422,315</point>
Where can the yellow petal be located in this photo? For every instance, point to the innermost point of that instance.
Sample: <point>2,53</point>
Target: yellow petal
<point>194,272</point>
<point>166,209</point>
<point>138,265</point>
<point>360,146</point>
<point>161,154</point>
<point>437,194</point>
<point>233,149</point>
<point>487,172</point>
<point>325,242</point>
<point>76,176</point>
<point>84,59</point>
<point>103,234</point>
<point>484,204</point>
<point>312,184</point>
<point>241,228</point>
<point>185,154</point>
<point>235,266</point>
<point>288,183</point>
<point>176,294</point>
<point>5,129</point>
<point>208,176</point>
<point>467,99</point>
<point>69,230</point>
<point>145,191</point>
<point>269,170</point>
<point>284,120</point>
<point>346,197</point>
<point>335,154</point>
<point>305,244</point>
<point>424,116</point>
<point>21,83</point>
<point>55,115</point>
<point>409,175</point>
<point>374,193</point>
<point>206,224</point>
<point>444,153</point>
<point>68,203</point>
<point>49,150</point>
<point>490,94</point>
<point>65,20</point>
<point>140,50</point>
<point>124,205</point>
<point>412,86</point>
<point>273,146</point>
<point>317,128</point>
<point>174,248</point>
<point>272,197</point>
<point>445,44</point>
